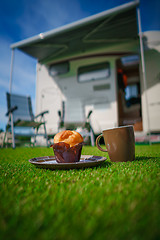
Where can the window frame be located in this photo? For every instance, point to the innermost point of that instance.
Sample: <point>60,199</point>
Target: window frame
<point>91,68</point>
<point>61,71</point>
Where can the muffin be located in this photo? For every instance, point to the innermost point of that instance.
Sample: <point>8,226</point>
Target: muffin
<point>67,146</point>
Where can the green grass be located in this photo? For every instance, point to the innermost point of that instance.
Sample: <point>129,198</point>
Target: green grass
<point>113,201</point>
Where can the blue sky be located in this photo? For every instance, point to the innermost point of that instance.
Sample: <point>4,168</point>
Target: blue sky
<point>20,19</point>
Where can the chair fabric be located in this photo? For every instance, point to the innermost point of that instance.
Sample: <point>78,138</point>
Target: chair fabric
<point>20,115</point>
<point>24,107</point>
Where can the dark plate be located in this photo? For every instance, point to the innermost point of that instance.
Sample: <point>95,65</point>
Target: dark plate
<point>50,162</point>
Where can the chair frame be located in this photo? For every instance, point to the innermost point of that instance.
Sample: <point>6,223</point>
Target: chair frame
<point>84,128</point>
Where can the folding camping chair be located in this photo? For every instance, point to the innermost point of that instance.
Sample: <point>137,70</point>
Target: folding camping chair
<point>20,116</point>
<point>86,130</point>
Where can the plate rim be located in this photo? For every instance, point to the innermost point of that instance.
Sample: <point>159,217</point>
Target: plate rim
<point>67,165</point>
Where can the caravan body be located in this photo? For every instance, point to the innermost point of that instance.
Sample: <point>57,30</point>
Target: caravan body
<point>95,64</point>
<point>91,83</point>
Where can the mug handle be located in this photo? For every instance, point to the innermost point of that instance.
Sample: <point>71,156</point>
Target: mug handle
<point>97,143</point>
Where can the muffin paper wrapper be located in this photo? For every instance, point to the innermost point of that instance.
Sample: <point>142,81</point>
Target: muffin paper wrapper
<point>66,154</point>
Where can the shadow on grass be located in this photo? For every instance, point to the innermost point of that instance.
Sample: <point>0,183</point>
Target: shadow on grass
<point>102,165</point>
<point>144,158</point>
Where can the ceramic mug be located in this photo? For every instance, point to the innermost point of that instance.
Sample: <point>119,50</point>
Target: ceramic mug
<point>119,142</point>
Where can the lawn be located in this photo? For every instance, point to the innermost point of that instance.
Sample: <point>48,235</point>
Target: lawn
<point>113,201</point>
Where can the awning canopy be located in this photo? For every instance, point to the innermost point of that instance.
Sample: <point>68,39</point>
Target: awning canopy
<point>108,28</point>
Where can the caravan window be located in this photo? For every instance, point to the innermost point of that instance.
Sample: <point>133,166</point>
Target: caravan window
<point>60,68</point>
<point>94,72</point>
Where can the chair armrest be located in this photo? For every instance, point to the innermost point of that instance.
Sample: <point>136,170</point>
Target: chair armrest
<point>41,114</point>
<point>11,110</point>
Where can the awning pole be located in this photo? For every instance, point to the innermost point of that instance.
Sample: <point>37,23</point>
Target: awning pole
<point>10,91</point>
<point>143,68</point>
<point>11,72</point>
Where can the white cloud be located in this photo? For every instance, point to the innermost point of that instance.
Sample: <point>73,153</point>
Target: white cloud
<point>3,118</point>
<point>24,76</point>
<point>4,84</point>
<point>24,68</point>
<point>4,78</point>
<point>40,16</point>
<point>5,58</point>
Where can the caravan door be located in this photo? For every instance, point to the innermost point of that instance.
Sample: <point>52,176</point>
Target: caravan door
<point>129,92</point>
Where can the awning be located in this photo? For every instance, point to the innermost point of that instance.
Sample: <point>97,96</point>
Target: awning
<point>108,28</point>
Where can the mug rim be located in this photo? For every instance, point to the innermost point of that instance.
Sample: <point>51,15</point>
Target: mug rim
<point>115,128</point>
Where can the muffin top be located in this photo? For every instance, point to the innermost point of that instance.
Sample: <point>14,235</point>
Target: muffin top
<point>70,137</point>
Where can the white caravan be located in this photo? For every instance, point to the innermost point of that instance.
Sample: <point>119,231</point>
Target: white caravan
<point>100,63</point>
